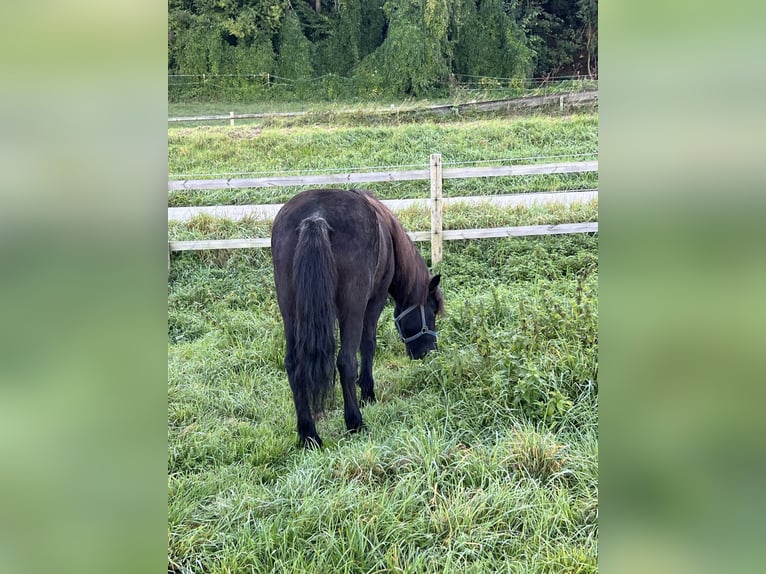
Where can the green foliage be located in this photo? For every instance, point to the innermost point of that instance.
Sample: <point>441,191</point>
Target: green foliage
<point>347,37</point>
<point>436,16</point>
<point>294,51</point>
<point>491,43</point>
<point>391,47</point>
<point>372,24</point>
<point>562,34</point>
<point>587,12</point>
<point>411,59</point>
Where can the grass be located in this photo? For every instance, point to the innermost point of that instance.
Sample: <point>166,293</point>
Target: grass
<point>481,458</point>
<point>490,90</point>
<point>195,151</point>
<point>198,153</point>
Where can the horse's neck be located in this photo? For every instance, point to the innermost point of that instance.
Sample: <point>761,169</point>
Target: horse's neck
<point>410,271</point>
<point>406,285</point>
<point>399,290</point>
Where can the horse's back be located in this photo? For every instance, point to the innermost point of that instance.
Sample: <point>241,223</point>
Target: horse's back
<point>358,243</point>
<point>354,230</point>
<point>345,211</point>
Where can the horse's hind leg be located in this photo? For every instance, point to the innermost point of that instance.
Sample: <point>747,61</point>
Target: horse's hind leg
<point>348,368</point>
<point>307,431</point>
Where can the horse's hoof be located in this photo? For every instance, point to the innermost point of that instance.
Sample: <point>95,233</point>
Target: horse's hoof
<point>311,442</point>
<point>358,428</point>
<point>368,399</point>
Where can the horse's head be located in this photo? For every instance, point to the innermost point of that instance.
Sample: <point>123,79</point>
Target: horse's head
<point>417,323</point>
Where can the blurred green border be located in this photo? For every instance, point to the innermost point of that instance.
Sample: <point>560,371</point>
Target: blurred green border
<point>83,434</point>
<point>682,277</point>
<point>83,287</point>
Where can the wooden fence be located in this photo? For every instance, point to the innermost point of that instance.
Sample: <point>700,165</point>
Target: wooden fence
<point>269,210</point>
<point>436,174</point>
<point>371,177</point>
<point>564,100</point>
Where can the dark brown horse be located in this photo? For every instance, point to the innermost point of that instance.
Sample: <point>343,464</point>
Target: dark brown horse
<point>337,256</point>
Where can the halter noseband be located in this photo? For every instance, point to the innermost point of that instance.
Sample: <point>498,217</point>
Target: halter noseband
<point>424,330</point>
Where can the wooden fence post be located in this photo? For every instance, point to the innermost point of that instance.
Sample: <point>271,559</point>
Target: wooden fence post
<point>231,121</point>
<point>436,209</point>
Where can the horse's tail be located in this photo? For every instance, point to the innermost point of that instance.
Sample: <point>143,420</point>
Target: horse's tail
<point>314,280</point>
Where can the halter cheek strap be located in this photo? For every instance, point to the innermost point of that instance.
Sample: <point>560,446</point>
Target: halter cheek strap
<point>424,330</point>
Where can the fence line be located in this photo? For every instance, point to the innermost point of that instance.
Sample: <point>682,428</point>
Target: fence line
<point>449,235</point>
<point>270,210</point>
<point>232,116</point>
<point>532,159</point>
<point>562,99</point>
<point>436,235</point>
<point>199,245</point>
<point>369,177</point>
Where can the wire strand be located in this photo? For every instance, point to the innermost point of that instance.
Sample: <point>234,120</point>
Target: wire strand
<point>341,171</point>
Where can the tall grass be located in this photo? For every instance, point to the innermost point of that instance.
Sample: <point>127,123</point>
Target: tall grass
<point>481,458</point>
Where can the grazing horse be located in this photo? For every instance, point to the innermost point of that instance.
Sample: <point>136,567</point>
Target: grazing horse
<point>337,256</point>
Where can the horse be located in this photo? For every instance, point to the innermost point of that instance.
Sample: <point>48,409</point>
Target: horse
<point>337,255</point>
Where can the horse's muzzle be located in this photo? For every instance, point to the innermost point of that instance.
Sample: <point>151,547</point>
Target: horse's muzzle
<point>420,351</point>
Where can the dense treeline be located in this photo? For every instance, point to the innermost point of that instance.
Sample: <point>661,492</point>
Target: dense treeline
<point>377,47</point>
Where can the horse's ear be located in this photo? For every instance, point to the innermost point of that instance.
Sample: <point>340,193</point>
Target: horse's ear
<point>434,283</point>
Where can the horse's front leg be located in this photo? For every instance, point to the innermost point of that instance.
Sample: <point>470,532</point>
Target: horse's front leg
<point>368,346</point>
<point>366,382</point>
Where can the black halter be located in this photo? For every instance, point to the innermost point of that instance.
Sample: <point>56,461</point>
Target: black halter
<point>424,330</point>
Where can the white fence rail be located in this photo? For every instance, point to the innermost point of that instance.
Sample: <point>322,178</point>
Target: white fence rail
<point>435,174</point>
<point>521,231</point>
<point>370,177</point>
<point>270,210</point>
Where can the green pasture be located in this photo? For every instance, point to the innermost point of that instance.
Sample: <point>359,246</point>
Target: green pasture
<point>481,458</point>
<point>260,151</point>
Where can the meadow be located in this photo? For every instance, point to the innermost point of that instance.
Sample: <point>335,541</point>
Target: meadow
<point>481,458</point>
<point>284,148</point>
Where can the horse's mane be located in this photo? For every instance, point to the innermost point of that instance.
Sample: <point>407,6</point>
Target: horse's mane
<point>411,275</point>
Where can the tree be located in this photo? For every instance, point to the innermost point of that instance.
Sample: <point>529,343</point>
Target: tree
<point>294,50</point>
<point>402,47</point>
<point>490,42</point>
<point>587,11</point>
<point>222,36</point>
<point>558,32</point>
<point>412,59</point>
<point>338,53</point>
